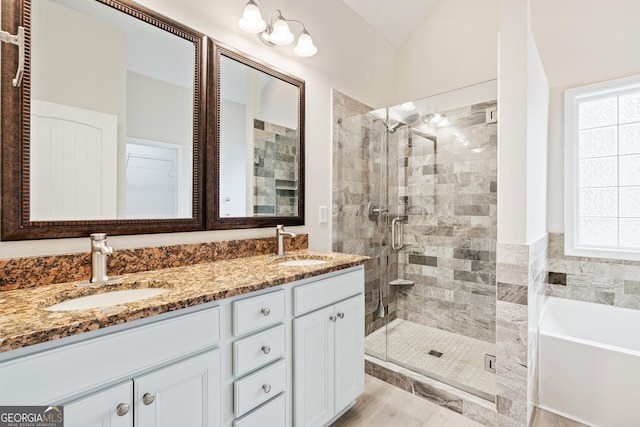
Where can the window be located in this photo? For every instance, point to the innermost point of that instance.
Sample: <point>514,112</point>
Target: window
<point>602,169</point>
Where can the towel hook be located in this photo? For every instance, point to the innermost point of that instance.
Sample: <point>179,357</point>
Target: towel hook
<point>18,40</point>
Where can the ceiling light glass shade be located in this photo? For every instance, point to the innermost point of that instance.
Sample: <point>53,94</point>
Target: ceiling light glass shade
<point>281,34</point>
<point>408,106</point>
<point>251,20</point>
<point>305,46</point>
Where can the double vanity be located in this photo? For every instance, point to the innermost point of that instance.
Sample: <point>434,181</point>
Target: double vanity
<point>258,341</point>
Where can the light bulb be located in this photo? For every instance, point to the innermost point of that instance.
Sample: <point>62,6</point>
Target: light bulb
<point>443,122</point>
<point>251,20</point>
<point>281,34</point>
<point>305,46</point>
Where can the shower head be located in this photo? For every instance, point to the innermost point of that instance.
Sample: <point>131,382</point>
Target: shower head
<point>406,120</point>
<point>410,118</point>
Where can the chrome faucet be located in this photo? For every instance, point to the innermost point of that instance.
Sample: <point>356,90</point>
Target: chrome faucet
<point>280,233</point>
<point>99,252</point>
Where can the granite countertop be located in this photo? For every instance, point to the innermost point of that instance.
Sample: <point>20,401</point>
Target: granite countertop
<point>24,322</point>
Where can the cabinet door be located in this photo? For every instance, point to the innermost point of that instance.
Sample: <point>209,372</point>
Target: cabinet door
<point>186,393</point>
<point>349,351</point>
<point>313,336</point>
<point>103,409</point>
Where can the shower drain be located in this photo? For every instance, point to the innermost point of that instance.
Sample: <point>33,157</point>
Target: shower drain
<point>435,353</point>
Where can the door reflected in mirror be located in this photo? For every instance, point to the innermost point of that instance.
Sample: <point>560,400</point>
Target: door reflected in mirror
<point>259,142</point>
<point>112,116</point>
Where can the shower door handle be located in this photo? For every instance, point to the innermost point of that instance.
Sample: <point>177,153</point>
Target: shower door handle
<point>399,222</point>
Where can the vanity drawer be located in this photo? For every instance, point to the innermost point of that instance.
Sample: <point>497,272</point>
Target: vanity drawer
<point>258,350</point>
<point>255,313</point>
<point>273,414</point>
<point>257,388</point>
<point>328,291</point>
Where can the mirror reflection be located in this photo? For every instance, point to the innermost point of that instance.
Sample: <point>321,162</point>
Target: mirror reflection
<point>111,115</point>
<point>259,143</point>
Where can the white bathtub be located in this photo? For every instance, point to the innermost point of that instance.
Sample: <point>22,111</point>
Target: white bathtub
<point>589,360</point>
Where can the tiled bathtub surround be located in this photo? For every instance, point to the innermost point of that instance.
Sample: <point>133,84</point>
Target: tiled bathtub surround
<point>357,180</point>
<point>28,272</point>
<point>599,280</point>
<point>447,192</point>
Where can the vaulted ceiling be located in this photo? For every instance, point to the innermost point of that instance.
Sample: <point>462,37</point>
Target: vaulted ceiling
<point>394,19</point>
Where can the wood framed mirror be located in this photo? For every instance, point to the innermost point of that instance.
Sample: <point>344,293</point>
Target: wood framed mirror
<point>107,131</point>
<point>258,149</point>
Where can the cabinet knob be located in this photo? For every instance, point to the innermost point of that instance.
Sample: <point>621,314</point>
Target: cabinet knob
<point>340,315</point>
<point>148,398</point>
<point>333,318</point>
<point>266,388</point>
<point>266,311</point>
<point>122,409</point>
<point>266,349</point>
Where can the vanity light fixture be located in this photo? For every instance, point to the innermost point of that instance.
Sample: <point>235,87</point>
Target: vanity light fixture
<point>277,31</point>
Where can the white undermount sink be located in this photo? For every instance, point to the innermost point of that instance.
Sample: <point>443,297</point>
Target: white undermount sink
<point>106,299</point>
<point>301,260</point>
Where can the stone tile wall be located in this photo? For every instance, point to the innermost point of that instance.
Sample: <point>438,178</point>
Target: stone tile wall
<point>520,272</point>
<point>447,193</point>
<point>356,181</point>
<point>599,280</point>
<point>275,189</point>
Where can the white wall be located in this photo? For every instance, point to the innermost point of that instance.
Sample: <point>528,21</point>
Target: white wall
<point>537,125</point>
<point>233,143</point>
<point>455,46</point>
<point>352,58</point>
<point>580,42</point>
<point>522,136</point>
<point>280,104</point>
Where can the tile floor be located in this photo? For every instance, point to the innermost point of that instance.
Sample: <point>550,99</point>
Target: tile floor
<point>461,363</point>
<point>383,405</point>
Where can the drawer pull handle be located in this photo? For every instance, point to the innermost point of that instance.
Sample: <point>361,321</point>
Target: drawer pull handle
<point>122,409</point>
<point>266,349</point>
<point>340,315</point>
<point>333,318</point>
<point>266,388</point>
<point>148,398</point>
<point>266,311</point>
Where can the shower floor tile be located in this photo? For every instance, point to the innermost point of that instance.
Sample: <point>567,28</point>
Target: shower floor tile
<point>445,356</point>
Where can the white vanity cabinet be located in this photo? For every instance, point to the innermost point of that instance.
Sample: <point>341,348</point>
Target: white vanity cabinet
<point>328,348</point>
<point>162,373</point>
<point>107,408</point>
<point>287,356</point>
<point>182,393</point>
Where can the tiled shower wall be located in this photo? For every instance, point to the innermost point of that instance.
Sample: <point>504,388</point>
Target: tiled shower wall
<point>357,181</point>
<point>275,171</point>
<point>447,192</point>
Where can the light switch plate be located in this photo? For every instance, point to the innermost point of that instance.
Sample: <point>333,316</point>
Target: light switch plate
<point>323,215</point>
